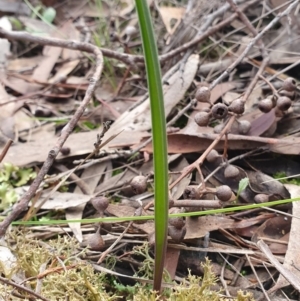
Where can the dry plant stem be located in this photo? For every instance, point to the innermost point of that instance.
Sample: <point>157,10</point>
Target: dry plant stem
<point>257,277</point>
<point>115,243</point>
<point>87,47</point>
<point>197,203</point>
<point>255,78</point>
<point>66,131</point>
<point>288,275</point>
<point>223,279</point>
<point>5,149</point>
<point>123,81</point>
<point>274,91</point>
<point>249,25</point>
<point>126,58</point>
<point>226,73</point>
<point>79,182</point>
<point>231,161</point>
<point>22,288</point>
<point>198,162</point>
<point>212,30</point>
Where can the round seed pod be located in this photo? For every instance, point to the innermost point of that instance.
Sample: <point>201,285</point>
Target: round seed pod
<point>139,184</point>
<point>224,193</point>
<point>96,242</point>
<point>212,156</point>
<point>289,84</point>
<point>65,150</point>
<point>202,118</point>
<point>261,198</point>
<point>176,234</point>
<point>100,203</point>
<point>203,94</point>
<point>290,94</point>
<point>130,30</point>
<point>177,222</point>
<point>219,111</point>
<point>244,127</point>
<point>218,128</point>
<point>237,106</point>
<point>192,192</point>
<point>265,105</point>
<point>284,103</point>
<point>231,171</point>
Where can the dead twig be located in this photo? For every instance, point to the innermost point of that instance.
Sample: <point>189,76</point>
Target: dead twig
<point>5,149</point>
<point>226,73</point>
<point>65,133</point>
<point>288,275</point>
<point>22,288</point>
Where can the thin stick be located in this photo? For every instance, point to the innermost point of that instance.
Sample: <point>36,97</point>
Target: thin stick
<point>257,277</point>
<point>5,149</point>
<point>23,288</point>
<point>226,73</point>
<point>21,206</point>
<point>114,244</point>
<point>288,275</point>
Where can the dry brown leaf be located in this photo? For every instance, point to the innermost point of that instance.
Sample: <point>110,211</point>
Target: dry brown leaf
<point>24,154</point>
<point>198,227</point>
<point>61,200</point>
<point>221,89</point>
<point>139,119</point>
<point>168,14</point>
<point>90,176</point>
<point>292,258</point>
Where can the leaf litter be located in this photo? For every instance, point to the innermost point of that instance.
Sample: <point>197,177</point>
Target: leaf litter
<point>42,86</point>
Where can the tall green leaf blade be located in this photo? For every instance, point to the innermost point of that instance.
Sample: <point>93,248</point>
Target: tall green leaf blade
<point>159,138</point>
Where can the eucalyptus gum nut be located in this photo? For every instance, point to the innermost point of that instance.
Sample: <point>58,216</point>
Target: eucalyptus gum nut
<point>219,111</point>
<point>261,198</point>
<point>244,127</point>
<point>237,106</point>
<point>231,171</point>
<point>176,234</point>
<point>212,156</point>
<point>224,193</point>
<point>177,222</point>
<point>289,84</point>
<point>202,118</point>
<point>290,94</point>
<point>191,192</point>
<point>96,242</point>
<point>139,184</point>
<point>284,103</point>
<point>100,203</point>
<point>218,128</point>
<point>203,94</point>
<point>265,105</point>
